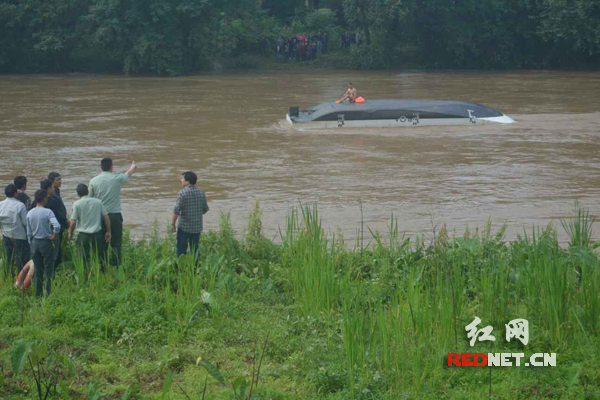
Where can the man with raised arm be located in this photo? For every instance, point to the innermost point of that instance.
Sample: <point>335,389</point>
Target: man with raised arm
<point>107,188</point>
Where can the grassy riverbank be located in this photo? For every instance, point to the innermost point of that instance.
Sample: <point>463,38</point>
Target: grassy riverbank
<point>311,318</point>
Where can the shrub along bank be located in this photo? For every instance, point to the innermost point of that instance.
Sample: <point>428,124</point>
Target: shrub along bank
<point>309,318</point>
<point>175,37</point>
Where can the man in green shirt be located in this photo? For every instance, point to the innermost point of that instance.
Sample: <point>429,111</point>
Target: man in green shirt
<point>107,188</point>
<point>87,217</point>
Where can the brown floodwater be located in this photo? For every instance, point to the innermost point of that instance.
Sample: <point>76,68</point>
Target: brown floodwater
<point>230,130</point>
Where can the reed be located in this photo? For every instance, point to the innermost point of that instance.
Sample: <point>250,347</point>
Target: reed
<point>311,258</point>
<point>580,229</point>
<point>390,311</point>
<point>532,278</point>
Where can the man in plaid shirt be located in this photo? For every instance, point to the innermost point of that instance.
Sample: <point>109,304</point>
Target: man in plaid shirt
<point>190,206</point>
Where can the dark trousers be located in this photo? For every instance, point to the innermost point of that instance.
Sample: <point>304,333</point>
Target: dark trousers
<point>58,247</point>
<point>184,239</point>
<point>116,240</point>
<point>16,250</point>
<point>57,256</point>
<point>42,251</point>
<point>91,245</point>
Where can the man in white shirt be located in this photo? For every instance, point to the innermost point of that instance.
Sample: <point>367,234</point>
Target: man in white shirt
<point>13,223</point>
<point>42,229</point>
<point>87,217</point>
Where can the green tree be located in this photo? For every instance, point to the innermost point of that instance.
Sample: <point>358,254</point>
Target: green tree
<point>573,26</point>
<point>360,13</point>
<point>283,10</point>
<point>39,35</point>
<point>176,37</point>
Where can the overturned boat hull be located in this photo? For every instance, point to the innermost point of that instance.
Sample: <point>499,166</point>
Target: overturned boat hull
<point>394,113</point>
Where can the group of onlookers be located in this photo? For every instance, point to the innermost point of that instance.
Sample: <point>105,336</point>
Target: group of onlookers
<point>302,47</point>
<point>34,229</point>
<point>351,38</point>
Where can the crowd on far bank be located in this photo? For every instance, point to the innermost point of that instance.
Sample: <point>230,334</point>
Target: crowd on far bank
<point>308,47</point>
<point>33,229</point>
<point>304,47</point>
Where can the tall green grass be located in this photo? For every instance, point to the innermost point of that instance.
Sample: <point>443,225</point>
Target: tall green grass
<point>398,325</point>
<point>393,308</point>
<point>311,257</point>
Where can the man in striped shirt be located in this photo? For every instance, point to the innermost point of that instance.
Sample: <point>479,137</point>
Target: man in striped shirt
<point>190,206</point>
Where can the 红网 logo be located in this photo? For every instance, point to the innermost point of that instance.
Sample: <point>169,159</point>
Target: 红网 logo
<point>515,329</point>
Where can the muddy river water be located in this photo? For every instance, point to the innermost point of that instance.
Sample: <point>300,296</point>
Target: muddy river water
<point>230,130</point>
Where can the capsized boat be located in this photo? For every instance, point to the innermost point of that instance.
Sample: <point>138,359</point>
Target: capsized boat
<point>391,113</point>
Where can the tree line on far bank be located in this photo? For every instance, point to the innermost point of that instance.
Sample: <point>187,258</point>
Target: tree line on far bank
<point>175,37</point>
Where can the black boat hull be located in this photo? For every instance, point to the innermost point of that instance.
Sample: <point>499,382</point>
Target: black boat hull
<point>394,113</point>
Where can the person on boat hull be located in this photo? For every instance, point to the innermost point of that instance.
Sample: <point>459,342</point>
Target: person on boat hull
<point>350,94</point>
